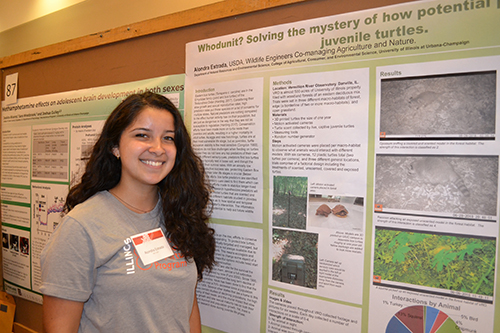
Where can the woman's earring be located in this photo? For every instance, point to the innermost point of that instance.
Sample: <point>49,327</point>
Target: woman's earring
<point>116,153</point>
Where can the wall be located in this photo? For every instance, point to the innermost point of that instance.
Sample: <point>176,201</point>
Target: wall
<point>145,50</point>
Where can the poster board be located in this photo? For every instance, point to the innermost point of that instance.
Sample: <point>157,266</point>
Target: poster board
<point>374,130</point>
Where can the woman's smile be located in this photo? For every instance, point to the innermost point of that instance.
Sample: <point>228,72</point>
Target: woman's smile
<point>152,163</point>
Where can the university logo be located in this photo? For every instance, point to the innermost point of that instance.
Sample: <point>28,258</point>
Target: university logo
<point>147,237</point>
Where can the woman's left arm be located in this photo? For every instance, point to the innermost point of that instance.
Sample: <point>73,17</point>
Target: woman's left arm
<point>195,319</point>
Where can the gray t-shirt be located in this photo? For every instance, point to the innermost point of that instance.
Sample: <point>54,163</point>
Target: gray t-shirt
<point>90,259</point>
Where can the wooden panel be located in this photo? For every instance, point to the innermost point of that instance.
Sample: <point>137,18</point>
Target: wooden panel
<point>19,328</point>
<point>82,66</point>
<point>227,8</point>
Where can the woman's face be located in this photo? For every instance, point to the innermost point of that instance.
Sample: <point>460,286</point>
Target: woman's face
<point>147,148</point>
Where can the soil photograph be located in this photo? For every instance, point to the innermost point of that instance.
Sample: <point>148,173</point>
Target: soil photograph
<point>448,184</point>
<point>453,104</point>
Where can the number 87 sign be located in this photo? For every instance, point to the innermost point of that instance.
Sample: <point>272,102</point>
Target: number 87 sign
<point>11,89</point>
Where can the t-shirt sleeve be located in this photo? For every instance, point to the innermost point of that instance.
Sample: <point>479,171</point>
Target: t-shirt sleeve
<point>68,263</point>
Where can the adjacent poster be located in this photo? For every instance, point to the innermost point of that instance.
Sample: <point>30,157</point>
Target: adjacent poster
<point>45,142</point>
<point>363,149</point>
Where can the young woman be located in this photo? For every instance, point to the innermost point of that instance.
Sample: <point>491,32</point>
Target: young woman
<point>142,175</point>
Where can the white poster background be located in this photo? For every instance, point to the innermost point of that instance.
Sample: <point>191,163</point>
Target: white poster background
<point>232,290</point>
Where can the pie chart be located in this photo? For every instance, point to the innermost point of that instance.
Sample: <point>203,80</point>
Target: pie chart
<point>421,319</point>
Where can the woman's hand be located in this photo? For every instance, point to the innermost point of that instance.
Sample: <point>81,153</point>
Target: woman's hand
<point>195,319</point>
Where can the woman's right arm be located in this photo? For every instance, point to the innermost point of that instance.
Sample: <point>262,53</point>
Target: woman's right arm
<point>61,315</point>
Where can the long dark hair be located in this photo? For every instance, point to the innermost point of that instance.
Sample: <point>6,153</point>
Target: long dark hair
<point>184,191</point>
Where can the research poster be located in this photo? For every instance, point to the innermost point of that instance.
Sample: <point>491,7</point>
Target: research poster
<point>45,143</point>
<point>354,161</point>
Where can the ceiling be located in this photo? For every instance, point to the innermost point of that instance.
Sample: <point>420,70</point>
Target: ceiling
<point>29,24</point>
<point>17,12</point>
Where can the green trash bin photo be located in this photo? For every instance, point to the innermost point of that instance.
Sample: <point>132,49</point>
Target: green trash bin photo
<point>292,269</point>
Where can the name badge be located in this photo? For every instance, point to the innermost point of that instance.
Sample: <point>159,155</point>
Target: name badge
<point>152,246</point>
